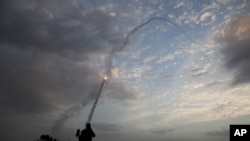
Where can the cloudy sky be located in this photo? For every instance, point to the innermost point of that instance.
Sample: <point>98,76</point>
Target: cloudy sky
<point>184,78</point>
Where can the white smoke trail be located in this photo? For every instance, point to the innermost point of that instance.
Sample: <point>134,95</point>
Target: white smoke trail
<point>64,117</point>
<point>96,101</point>
<point>130,33</point>
<point>69,113</point>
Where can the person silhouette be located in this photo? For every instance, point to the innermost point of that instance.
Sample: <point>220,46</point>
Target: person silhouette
<point>86,134</point>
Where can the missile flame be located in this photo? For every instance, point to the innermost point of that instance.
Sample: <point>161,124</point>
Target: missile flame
<point>105,78</point>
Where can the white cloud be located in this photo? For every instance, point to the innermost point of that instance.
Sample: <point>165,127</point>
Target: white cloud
<point>205,84</point>
<point>224,1</point>
<point>213,6</point>
<point>171,16</point>
<point>139,71</point>
<point>188,18</point>
<point>205,15</point>
<point>207,106</point>
<point>112,14</point>
<point>207,18</point>
<point>168,57</point>
<point>179,5</point>
<point>149,59</point>
<point>115,72</point>
<point>106,7</point>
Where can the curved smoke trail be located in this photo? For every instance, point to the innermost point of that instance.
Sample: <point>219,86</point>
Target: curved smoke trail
<point>69,113</point>
<point>130,33</point>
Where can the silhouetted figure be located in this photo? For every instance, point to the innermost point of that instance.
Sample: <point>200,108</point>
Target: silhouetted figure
<point>86,134</point>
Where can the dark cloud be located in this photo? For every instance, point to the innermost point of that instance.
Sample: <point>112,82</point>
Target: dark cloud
<point>39,82</point>
<point>236,52</point>
<point>46,53</point>
<point>57,27</point>
<point>161,132</point>
<point>223,132</point>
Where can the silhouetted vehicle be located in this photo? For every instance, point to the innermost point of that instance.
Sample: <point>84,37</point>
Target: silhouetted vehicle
<point>86,134</point>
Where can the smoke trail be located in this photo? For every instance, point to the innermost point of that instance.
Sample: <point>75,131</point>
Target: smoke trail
<point>130,33</point>
<point>64,117</point>
<point>72,111</point>
<point>96,101</point>
<point>69,113</point>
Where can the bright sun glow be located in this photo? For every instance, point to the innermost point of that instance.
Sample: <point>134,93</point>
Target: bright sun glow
<point>105,78</point>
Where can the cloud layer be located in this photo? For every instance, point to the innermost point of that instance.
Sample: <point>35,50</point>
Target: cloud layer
<point>236,52</point>
<point>48,53</point>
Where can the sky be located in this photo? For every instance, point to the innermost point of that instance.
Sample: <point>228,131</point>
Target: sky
<point>184,78</point>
